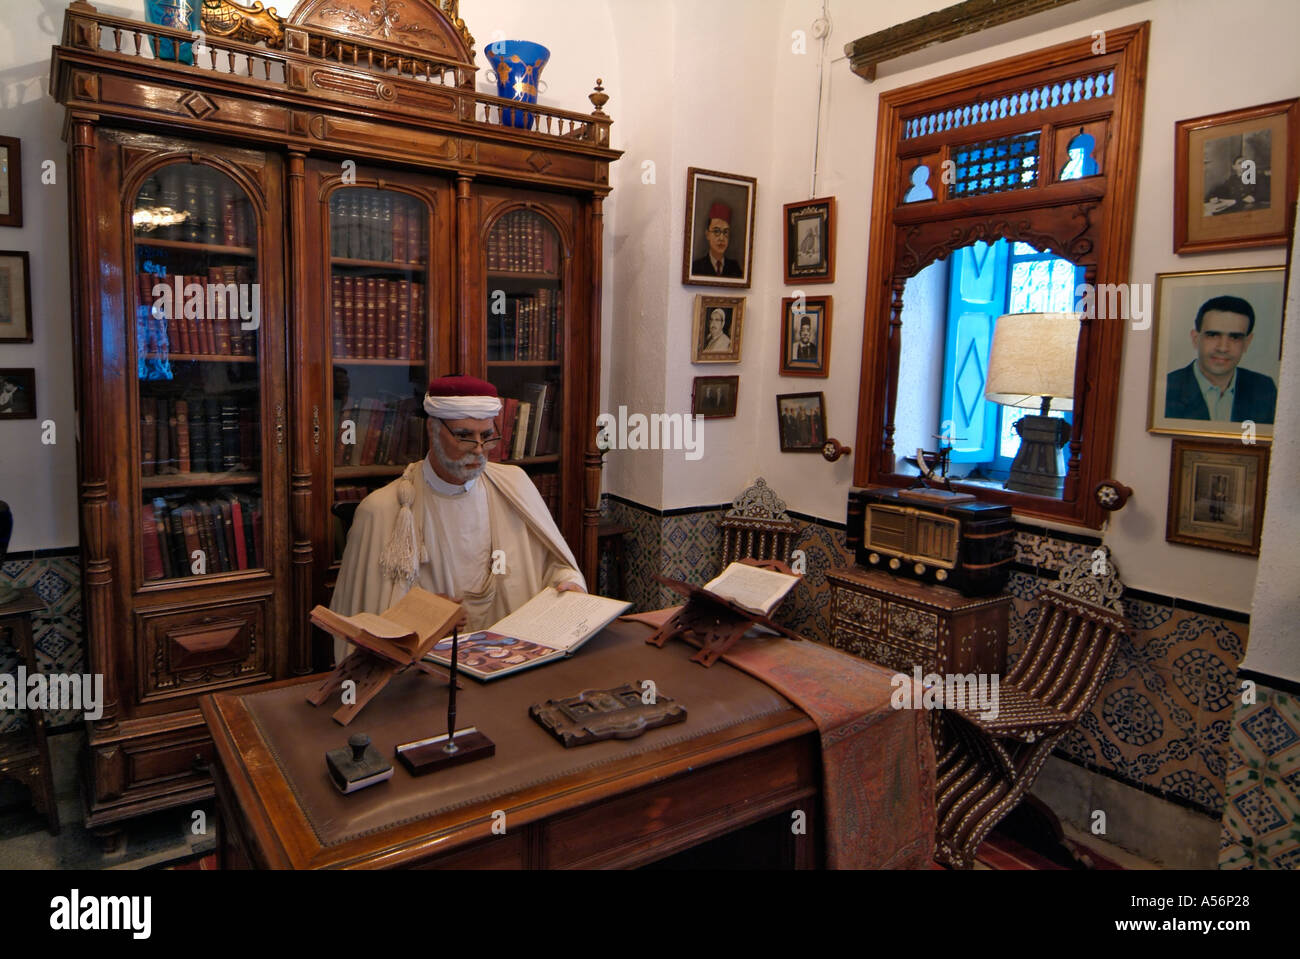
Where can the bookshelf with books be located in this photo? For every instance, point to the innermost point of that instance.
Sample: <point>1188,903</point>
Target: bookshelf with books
<point>267,270</point>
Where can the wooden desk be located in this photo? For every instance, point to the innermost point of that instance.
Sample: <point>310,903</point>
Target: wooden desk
<point>633,803</point>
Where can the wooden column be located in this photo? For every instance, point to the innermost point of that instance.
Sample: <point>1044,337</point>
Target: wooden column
<point>592,461</point>
<point>1082,402</point>
<point>94,444</point>
<point>466,360</point>
<point>306,443</point>
<point>892,349</point>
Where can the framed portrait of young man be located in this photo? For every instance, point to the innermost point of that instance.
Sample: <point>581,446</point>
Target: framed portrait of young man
<point>1216,495</point>
<point>806,336</point>
<point>1216,353</point>
<point>809,241</point>
<point>1235,178</point>
<point>718,249</point>
<point>719,322</point>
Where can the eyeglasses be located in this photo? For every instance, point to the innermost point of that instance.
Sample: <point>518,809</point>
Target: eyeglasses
<point>719,231</point>
<point>470,441</point>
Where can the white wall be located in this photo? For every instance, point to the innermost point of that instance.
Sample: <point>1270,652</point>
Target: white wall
<point>1182,81</point>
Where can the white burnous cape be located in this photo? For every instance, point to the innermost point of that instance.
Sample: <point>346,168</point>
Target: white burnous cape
<point>394,544</point>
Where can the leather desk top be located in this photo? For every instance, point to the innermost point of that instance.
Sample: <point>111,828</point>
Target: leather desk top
<point>414,706</point>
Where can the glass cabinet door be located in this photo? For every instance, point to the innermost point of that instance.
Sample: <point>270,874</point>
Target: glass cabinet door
<point>379,301</point>
<point>198,351</point>
<point>525,344</point>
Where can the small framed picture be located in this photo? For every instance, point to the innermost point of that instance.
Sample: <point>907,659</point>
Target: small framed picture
<point>1217,351</point>
<point>719,246</point>
<point>11,182</point>
<point>15,297</point>
<point>810,241</point>
<point>806,336</point>
<point>18,394</point>
<point>1216,495</point>
<point>718,326</point>
<point>1235,178</point>
<point>801,419</point>
<point>714,397</point>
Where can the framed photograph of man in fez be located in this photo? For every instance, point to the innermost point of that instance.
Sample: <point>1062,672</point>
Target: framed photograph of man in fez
<point>805,336</point>
<point>1235,178</point>
<point>809,242</point>
<point>1216,495</point>
<point>1216,354</point>
<point>801,420</point>
<point>719,246</point>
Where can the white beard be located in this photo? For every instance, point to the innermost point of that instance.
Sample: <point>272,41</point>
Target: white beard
<point>464,468</point>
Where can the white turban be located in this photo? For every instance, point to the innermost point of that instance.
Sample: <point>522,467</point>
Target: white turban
<point>462,407</point>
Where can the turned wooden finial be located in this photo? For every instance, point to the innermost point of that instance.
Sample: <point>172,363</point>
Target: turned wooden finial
<point>598,98</point>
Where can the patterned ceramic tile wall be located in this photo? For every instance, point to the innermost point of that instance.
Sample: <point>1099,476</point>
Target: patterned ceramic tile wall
<point>1161,722</point>
<point>1261,818</point>
<point>57,632</point>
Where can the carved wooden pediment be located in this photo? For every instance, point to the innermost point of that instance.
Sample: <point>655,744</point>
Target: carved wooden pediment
<point>422,26</point>
<point>1068,231</point>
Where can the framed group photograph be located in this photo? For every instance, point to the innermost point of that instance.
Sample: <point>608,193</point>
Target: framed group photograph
<point>714,397</point>
<point>11,182</point>
<point>719,244</point>
<point>1217,351</point>
<point>717,330</point>
<point>809,241</point>
<point>1235,178</point>
<point>18,394</point>
<point>806,336</point>
<point>801,420</point>
<point>15,297</point>
<point>1216,495</point>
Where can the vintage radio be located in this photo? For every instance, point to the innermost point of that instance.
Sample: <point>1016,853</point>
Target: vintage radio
<point>944,538</point>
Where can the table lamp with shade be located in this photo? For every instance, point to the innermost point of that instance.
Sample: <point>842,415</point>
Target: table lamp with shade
<point>1031,365</point>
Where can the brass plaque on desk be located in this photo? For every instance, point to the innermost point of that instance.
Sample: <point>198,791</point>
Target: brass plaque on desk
<point>623,712</point>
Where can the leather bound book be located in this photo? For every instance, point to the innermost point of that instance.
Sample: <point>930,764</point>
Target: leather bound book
<point>399,230</point>
<point>381,317</point>
<point>193,543</point>
<point>221,511</point>
<point>237,529</point>
<point>178,540</point>
<point>153,565</point>
<point>162,526</point>
<point>246,339</point>
<point>394,345</point>
<point>182,412</point>
<point>403,319</point>
<point>198,436</point>
<point>212,411</point>
<point>349,346</point>
<point>373,416</point>
<point>208,538</point>
<point>229,234</point>
<point>418,321</point>
<point>371,318</point>
<point>229,433</point>
<point>250,453</point>
<point>148,435</point>
<point>164,462</point>
<point>385,223</point>
<point>257,532</point>
<point>415,247</point>
<point>353,206</point>
<point>336,316</point>
<point>383,454</point>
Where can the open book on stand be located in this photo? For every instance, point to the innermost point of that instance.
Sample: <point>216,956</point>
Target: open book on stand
<point>400,634</point>
<point>550,626</point>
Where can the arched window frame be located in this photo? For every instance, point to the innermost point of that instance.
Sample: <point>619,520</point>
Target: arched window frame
<point>1088,221</point>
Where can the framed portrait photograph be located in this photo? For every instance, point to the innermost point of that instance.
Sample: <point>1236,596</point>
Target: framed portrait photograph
<point>801,419</point>
<point>15,297</point>
<point>1217,349</point>
<point>17,394</point>
<point>11,182</point>
<point>719,245</point>
<point>1235,178</point>
<point>809,242</point>
<point>718,326</point>
<point>1216,495</point>
<point>714,397</point>
<point>806,336</point>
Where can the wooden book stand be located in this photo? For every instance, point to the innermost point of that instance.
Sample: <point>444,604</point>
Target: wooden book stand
<point>371,673</point>
<point>714,622</point>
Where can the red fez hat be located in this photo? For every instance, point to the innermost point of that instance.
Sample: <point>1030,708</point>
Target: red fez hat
<point>720,211</point>
<point>458,385</point>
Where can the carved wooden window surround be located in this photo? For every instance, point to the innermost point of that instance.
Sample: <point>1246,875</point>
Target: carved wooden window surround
<point>1054,94</point>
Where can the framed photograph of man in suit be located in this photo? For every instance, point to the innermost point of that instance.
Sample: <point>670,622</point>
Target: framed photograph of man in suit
<point>1217,349</point>
<point>805,336</point>
<point>719,246</point>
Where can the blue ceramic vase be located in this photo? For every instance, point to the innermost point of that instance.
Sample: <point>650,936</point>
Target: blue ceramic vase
<point>179,15</point>
<point>518,67</point>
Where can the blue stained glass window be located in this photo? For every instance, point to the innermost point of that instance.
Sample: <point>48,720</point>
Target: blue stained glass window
<point>1081,163</point>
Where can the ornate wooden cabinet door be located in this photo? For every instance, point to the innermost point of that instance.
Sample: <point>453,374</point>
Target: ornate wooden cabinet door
<point>181,339</point>
<point>528,326</point>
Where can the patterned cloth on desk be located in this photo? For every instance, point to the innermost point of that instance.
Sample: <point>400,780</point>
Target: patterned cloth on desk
<point>877,761</point>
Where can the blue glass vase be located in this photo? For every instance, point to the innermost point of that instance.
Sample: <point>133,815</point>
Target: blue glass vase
<point>179,15</point>
<point>518,67</point>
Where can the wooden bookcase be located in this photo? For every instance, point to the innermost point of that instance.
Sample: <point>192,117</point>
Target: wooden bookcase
<point>347,217</point>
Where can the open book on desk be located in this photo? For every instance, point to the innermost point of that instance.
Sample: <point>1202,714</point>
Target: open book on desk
<point>550,626</point>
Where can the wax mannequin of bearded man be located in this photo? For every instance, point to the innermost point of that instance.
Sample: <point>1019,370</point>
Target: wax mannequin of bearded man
<point>439,524</point>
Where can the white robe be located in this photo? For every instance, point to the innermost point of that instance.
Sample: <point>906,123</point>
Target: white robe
<point>449,544</point>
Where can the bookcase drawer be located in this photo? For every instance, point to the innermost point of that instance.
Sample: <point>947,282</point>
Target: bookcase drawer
<point>196,649</point>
